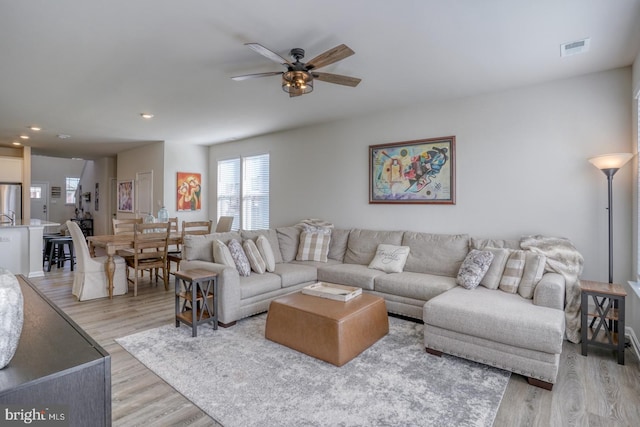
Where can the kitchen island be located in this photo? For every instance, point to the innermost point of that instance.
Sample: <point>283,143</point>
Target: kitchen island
<point>21,246</point>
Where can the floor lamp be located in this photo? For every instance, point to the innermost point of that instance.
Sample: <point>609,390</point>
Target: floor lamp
<point>610,164</point>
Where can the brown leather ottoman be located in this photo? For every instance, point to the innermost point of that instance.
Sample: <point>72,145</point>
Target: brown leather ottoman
<point>333,331</point>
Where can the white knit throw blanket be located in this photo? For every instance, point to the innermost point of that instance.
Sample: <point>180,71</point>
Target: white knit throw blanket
<point>562,258</point>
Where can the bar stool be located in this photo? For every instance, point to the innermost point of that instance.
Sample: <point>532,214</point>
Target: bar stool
<point>57,253</point>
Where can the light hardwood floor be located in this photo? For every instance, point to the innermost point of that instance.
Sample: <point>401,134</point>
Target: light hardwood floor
<point>591,391</point>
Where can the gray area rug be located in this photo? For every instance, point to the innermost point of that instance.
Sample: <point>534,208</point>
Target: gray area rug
<point>241,379</point>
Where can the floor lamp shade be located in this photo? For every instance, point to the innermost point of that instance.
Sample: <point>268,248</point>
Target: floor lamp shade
<point>611,161</point>
<point>609,165</point>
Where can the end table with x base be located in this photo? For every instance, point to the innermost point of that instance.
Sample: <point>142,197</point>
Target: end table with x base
<point>606,328</point>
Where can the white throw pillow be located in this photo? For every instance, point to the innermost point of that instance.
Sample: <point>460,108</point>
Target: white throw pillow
<point>491,279</point>
<point>390,258</point>
<point>313,247</point>
<point>513,272</point>
<point>473,268</point>
<point>221,254</point>
<point>266,252</point>
<point>533,271</point>
<point>255,259</point>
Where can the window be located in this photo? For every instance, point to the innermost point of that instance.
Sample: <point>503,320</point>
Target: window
<point>71,186</point>
<point>243,191</point>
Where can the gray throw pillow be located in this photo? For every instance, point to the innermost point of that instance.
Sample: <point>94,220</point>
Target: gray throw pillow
<point>239,257</point>
<point>473,268</point>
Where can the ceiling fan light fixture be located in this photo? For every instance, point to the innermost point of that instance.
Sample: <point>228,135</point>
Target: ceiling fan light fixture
<point>297,82</point>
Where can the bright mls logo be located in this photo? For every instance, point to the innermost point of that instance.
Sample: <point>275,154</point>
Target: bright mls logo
<point>14,415</point>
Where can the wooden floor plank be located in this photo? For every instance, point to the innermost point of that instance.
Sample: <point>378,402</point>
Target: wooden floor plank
<point>593,390</point>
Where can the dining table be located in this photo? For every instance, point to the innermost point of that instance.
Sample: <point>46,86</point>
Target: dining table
<point>111,243</point>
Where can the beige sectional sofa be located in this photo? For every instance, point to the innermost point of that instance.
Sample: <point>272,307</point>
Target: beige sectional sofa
<point>522,335</point>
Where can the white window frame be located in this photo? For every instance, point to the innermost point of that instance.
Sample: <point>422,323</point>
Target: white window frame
<point>71,191</point>
<point>237,198</point>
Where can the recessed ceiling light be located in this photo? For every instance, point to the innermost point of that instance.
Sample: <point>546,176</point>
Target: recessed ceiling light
<point>24,136</point>
<point>16,143</point>
<point>146,115</point>
<point>35,128</point>
<point>63,136</point>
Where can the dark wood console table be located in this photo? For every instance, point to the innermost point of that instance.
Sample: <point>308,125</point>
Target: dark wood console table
<point>57,364</point>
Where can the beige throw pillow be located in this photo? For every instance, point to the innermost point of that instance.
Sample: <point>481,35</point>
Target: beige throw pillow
<point>513,272</point>
<point>253,255</point>
<point>491,279</point>
<point>313,247</point>
<point>222,255</point>
<point>264,247</point>
<point>533,271</point>
<point>390,258</point>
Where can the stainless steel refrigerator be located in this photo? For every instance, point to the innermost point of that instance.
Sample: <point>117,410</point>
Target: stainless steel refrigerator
<point>10,202</point>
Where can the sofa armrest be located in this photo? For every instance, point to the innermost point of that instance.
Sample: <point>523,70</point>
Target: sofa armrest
<point>228,298</point>
<point>549,291</point>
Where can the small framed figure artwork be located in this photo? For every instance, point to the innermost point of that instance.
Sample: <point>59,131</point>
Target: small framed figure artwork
<point>125,196</point>
<point>421,171</point>
<point>189,191</point>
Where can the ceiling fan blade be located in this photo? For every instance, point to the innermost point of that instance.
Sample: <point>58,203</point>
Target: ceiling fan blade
<point>330,56</point>
<point>337,79</point>
<point>256,75</point>
<point>267,53</point>
<point>292,94</point>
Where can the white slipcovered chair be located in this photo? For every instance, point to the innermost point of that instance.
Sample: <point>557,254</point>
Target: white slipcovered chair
<point>90,278</point>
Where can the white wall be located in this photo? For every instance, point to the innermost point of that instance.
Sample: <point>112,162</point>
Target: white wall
<point>99,172</point>
<point>185,158</point>
<point>521,167</point>
<point>143,159</point>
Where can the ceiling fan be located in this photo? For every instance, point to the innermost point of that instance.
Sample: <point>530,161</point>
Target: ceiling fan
<point>298,79</point>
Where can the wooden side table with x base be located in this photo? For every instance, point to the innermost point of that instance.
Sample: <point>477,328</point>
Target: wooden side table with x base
<point>607,316</point>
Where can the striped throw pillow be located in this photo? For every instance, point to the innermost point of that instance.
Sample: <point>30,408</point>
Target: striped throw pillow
<point>513,272</point>
<point>253,255</point>
<point>313,247</point>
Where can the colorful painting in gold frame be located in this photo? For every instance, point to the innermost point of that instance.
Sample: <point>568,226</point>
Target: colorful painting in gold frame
<point>189,191</point>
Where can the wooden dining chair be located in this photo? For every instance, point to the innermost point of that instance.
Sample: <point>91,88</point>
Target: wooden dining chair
<point>124,225</point>
<point>224,224</point>
<point>189,228</point>
<point>149,252</point>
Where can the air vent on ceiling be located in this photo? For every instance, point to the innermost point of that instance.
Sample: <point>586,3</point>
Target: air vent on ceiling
<point>574,48</point>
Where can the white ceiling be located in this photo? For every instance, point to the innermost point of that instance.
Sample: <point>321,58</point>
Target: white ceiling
<point>89,68</point>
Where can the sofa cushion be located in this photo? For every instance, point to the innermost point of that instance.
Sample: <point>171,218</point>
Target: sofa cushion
<point>349,274</point>
<point>494,243</point>
<point>533,271</point>
<point>497,316</point>
<point>295,274</point>
<point>201,247</point>
<point>253,255</point>
<point>313,246</point>
<point>473,268</point>
<point>440,254</point>
<point>418,286</point>
<point>390,258</point>
<point>288,241</point>
<point>270,234</point>
<point>491,279</point>
<point>362,244</point>
<point>258,284</point>
<point>266,252</point>
<point>338,244</point>
<point>512,273</point>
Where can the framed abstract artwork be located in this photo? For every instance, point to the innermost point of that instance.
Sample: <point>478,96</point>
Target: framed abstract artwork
<point>125,196</point>
<point>420,171</point>
<point>189,191</point>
